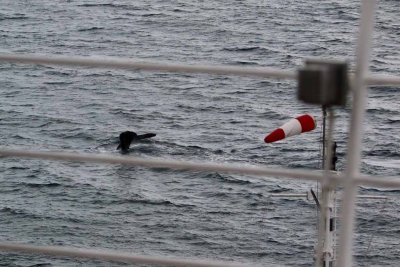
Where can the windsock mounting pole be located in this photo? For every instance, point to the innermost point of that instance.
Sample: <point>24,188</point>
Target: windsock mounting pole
<point>325,252</point>
<point>325,83</point>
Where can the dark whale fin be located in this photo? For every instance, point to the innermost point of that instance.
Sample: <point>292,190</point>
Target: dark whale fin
<point>126,138</point>
<point>145,136</point>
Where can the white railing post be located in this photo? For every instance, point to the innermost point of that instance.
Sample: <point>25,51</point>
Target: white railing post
<point>356,132</point>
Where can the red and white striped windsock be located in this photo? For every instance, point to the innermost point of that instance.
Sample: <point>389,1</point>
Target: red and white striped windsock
<point>301,124</point>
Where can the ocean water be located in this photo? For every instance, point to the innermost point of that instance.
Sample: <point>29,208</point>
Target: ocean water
<point>202,118</point>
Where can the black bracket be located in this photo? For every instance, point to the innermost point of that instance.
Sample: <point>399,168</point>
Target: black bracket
<point>323,82</point>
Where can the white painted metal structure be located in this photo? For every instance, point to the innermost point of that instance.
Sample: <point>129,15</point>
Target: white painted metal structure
<point>350,179</point>
<point>356,131</point>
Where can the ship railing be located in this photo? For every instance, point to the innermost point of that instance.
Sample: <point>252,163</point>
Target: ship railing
<point>350,179</point>
<point>372,79</point>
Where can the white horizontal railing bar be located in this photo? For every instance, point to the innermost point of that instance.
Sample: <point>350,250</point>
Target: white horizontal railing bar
<point>382,80</point>
<point>262,172</point>
<point>111,256</point>
<point>164,163</point>
<point>135,64</point>
<point>377,181</point>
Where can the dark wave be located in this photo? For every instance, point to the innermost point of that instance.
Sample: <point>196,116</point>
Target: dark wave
<point>216,194</point>
<point>8,210</point>
<point>393,120</point>
<point>225,178</point>
<point>139,200</point>
<point>390,153</point>
<point>21,137</point>
<point>278,189</point>
<point>18,168</point>
<point>220,212</point>
<point>159,202</point>
<point>380,190</point>
<point>58,83</point>
<point>153,15</point>
<point>242,49</point>
<point>47,185</point>
<point>14,17</point>
<point>59,73</point>
<point>381,223</point>
<point>90,29</point>
<point>383,111</point>
<point>130,112</point>
<point>242,62</point>
<point>104,5</point>
<point>20,213</point>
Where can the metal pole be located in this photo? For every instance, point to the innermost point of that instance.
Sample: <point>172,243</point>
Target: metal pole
<point>354,147</point>
<point>137,64</point>
<point>326,253</point>
<point>320,210</point>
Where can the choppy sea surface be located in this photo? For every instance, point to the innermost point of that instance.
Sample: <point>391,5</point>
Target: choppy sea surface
<point>201,118</point>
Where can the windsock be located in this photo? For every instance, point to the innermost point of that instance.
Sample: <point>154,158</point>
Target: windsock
<point>301,124</point>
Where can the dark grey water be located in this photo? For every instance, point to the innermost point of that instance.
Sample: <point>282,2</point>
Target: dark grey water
<point>196,117</point>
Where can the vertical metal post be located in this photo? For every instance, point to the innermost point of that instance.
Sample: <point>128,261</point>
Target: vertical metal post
<point>326,250</point>
<point>321,216</point>
<point>329,196</point>
<point>323,136</point>
<point>354,147</point>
